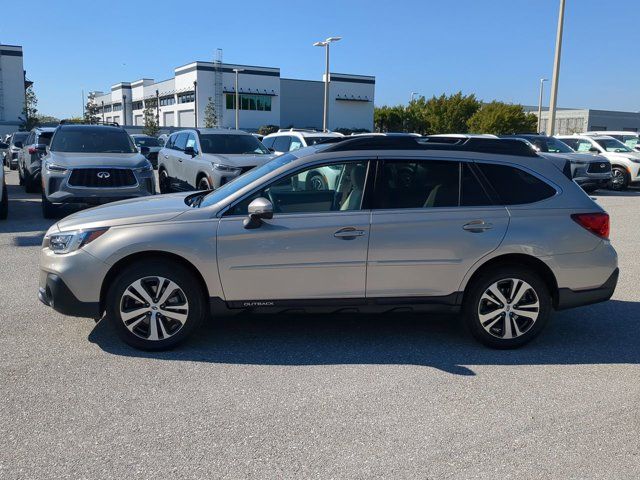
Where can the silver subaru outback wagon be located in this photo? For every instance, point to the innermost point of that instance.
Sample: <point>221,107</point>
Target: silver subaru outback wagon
<point>486,228</point>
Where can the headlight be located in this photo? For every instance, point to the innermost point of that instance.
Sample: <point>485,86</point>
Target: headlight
<point>67,242</point>
<point>54,168</point>
<point>226,168</point>
<point>146,168</point>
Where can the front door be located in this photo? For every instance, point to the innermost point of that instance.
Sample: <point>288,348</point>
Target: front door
<point>432,220</point>
<point>315,247</point>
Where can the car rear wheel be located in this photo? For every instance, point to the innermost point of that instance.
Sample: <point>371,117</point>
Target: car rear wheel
<point>619,179</point>
<point>507,307</point>
<point>316,181</point>
<point>20,176</point>
<point>155,305</point>
<point>165,182</point>
<point>4,202</point>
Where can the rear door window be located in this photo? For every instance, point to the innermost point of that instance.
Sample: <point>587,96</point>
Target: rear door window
<point>418,184</point>
<point>515,186</point>
<point>472,192</point>
<point>45,138</point>
<point>268,142</point>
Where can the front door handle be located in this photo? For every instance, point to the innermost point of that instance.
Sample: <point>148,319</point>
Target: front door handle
<point>477,226</point>
<point>348,233</point>
<point>166,156</point>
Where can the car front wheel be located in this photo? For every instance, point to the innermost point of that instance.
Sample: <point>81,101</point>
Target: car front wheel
<point>155,304</point>
<point>619,179</point>
<point>165,182</point>
<point>507,307</point>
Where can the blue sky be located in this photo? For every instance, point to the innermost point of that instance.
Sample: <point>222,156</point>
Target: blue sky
<point>497,49</point>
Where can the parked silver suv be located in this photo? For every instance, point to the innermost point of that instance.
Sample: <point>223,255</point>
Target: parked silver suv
<point>484,227</point>
<point>92,164</point>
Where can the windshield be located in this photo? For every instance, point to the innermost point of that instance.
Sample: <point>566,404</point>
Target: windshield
<point>231,144</point>
<point>612,145</point>
<point>92,140</point>
<point>244,180</point>
<point>550,145</point>
<point>146,141</point>
<point>314,140</point>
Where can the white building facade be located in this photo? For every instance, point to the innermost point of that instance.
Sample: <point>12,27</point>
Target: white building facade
<point>265,99</point>
<point>12,88</point>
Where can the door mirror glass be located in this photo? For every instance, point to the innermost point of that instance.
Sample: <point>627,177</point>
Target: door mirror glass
<point>190,151</point>
<point>259,209</point>
<point>594,150</point>
<point>3,146</point>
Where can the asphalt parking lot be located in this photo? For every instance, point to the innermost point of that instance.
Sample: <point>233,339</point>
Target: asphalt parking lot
<point>317,396</point>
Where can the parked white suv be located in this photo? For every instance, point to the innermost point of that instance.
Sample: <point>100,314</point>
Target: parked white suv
<point>207,158</point>
<point>290,140</point>
<point>625,162</point>
<point>630,139</point>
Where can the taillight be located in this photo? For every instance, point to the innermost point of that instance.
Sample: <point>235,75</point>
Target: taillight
<point>597,223</point>
<point>32,150</point>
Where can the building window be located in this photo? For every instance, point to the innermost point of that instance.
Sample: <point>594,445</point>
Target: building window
<point>261,103</point>
<point>168,100</point>
<point>117,107</point>
<point>107,108</point>
<point>187,97</point>
<point>137,105</point>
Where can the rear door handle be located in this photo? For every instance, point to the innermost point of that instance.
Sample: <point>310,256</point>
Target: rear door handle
<point>477,226</point>
<point>348,233</point>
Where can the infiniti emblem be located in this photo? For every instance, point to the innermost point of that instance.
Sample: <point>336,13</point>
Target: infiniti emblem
<point>103,175</point>
<point>602,165</point>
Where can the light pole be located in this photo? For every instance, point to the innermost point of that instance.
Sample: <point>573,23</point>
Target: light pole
<point>556,72</point>
<point>542,80</point>
<point>195,103</point>
<point>412,95</point>
<point>124,110</point>
<point>325,44</point>
<point>237,70</point>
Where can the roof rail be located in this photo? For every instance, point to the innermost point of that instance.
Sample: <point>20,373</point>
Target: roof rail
<point>481,145</point>
<point>73,121</point>
<point>310,130</point>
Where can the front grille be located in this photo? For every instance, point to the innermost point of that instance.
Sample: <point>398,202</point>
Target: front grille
<point>246,169</point>
<point>599,167</point>
<point>102,178</point>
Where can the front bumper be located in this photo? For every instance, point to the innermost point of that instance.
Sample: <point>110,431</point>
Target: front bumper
<point>57,295</point>
<point>568,298</point>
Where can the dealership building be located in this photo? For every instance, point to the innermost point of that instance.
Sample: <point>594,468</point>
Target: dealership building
<point>12,88</point>
<point>574,120</point>
<point>265,99</point>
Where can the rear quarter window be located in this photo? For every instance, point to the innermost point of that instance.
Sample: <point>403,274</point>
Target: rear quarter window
<point>515,186</point>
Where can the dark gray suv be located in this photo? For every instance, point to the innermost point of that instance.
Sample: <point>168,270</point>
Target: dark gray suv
<point>34,148</point>
<point>93,164</point>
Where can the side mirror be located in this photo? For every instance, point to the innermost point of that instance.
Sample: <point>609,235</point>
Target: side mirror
<point>272,150</point>
<point>190,151</point>
<point>144,150</point>
<point>18,144</point>
<point>260,209</point>
<point>4,146</point>
<point>594,150</point>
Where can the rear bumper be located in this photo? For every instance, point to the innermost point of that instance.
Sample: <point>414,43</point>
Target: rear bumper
<point>57,295</point>
<point>568,298</point>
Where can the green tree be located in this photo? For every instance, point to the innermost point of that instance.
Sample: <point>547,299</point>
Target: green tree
<point>42,119</point>
<point>30,111</point>
<point>502,118</point>
<point>91,110</point>
<point>210,114</point>
<point>449,114</point>
<point>389,119</point>
<point>268,129</point>
<point>150,119</point>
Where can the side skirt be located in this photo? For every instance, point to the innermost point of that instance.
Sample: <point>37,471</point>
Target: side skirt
<point>441,304</point>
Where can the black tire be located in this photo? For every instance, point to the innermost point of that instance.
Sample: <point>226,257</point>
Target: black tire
<point>590,189</point>
<point>4,202</point>
<point>20,176</point>
<point>49,210</point>
<point>203,183</point>
<point>164,181</point>
<point>31,184</point>
<point>147,269</point>
<point>621,177</point>
<point>474,303</point>
<point>316,181</point>
<point>12,166</point>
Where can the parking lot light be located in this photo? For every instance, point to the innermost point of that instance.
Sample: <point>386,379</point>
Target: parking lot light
<point>325,44</point>
<point>556,72</point>
<point>237,71</point>
<point>542,80</point>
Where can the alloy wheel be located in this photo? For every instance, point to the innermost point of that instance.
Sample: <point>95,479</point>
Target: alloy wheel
<point>617,178</point>
<point>316,182</point>
<point>508,308</point>
<point>154,308</point>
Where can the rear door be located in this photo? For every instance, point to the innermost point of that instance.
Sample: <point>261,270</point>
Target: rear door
<point>314,247</point>
<point>431,221</point>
